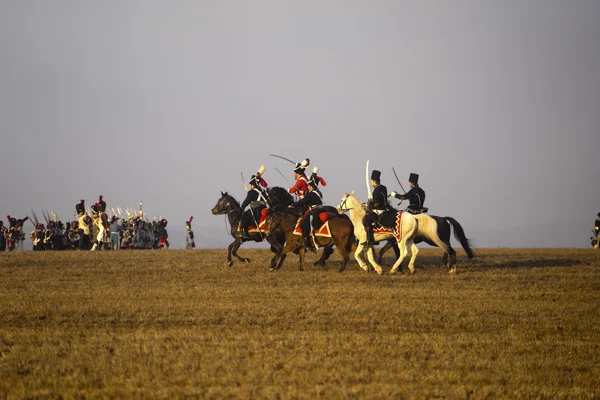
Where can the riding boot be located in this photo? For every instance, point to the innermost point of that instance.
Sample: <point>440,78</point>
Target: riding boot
<point>370,237</point>
<point>308,245</point>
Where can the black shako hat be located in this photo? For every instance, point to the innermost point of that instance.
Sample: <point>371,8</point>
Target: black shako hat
<point>413,178</point>
<point>376,175</point>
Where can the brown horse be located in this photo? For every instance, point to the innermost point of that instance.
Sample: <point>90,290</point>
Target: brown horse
<point>342,236</point>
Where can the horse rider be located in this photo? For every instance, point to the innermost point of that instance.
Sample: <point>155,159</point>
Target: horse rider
<point>379,205</point>
<point>416,195</point>
<point>301,185</point>
<point>318,179</point>
<point>189,243</point>
<point>312,200</point>
<point>256,199</point>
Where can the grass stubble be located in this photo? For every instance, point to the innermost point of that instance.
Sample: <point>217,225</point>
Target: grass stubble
<point>512,323</point>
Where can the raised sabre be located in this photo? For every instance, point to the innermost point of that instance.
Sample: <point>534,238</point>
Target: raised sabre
<point>244,181</point>
<point>283,158</point>
<point>281,173</point>
<point>367,180</point>
<point>396,175</point>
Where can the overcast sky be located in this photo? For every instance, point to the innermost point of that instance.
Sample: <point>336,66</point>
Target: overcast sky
<point>496,104</point>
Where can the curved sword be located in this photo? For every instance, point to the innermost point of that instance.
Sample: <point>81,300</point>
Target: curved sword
<point>396,175</point>
<point>244,181</point>
<point>283,158</point>
<point>281,173</point>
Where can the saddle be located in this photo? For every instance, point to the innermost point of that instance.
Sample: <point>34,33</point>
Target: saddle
<point>415,212</point>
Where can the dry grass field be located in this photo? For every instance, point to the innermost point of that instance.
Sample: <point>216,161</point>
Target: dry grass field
<point>512,323</point>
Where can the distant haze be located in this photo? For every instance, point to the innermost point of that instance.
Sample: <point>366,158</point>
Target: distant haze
<point>495,104</point>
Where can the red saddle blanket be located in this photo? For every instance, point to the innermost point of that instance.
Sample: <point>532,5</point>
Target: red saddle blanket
<point>323,231</point>
<point>396,231</point>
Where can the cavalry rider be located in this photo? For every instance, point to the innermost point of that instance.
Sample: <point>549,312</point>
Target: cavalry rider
<point>83,224</point>
<point>416,195</point>
<point>256,199</point>
<point>379,203</point>
<point>312,200</point>
<point>189,243</point>
<point>301,185</point>
<point>317,178</point>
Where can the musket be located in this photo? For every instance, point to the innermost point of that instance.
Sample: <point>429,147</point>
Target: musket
<point>281,173</point>
<point>283,158</point>
<point>396,175</point>
<point>244,182</point>
<point>367,180</point>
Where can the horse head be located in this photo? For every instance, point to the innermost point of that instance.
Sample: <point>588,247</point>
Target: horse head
<point>225,204</point>
<point>279,198</point>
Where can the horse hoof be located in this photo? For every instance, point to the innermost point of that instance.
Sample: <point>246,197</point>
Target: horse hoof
<point>230,264</point>
<point>247,260</point>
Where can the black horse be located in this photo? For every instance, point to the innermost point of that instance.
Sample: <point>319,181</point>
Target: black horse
<point>444,225</point>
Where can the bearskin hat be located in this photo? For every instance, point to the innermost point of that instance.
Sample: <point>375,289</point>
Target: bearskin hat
<point>101,204</point>
<point>80,207</point>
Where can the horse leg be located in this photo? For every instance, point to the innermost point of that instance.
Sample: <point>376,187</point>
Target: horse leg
<point>358,255</point>
<point>230,252</point>
<point>290,245</point>
<point>327,252</point>
<point>235,246</point>
<point>371,257</point>
<point>452,260</point>
<point>403,253</point>
<point>343,251</point>
<point>414,251</point>
<point>389,244</point>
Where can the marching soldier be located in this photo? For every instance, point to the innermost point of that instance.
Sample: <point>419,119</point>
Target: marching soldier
<point>2,237</point>
<point>301,185</point>
<point>379,203</point>
<point>416,195</point>
<point>189,243</point>
<point>256,199</point>
<point>312,200</point>
<point>84,222</point>
<point>597,226</point>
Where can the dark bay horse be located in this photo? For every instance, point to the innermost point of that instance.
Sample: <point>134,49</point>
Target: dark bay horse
<point>342,236</point>
<point>229,206</point>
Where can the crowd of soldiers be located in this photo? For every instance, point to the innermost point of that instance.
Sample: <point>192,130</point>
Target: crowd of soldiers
<point>93,229</point>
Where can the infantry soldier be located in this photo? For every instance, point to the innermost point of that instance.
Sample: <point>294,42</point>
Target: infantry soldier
<point>256,199</point>
<point>115,233</point>
<point>596,231</point>
<point>84,222</point>
<point>189,243</point>
<point>301,185</point>
<point>2,238</point>
<point>379,205</point>
<point>416,195</point>
<point>312,200</point>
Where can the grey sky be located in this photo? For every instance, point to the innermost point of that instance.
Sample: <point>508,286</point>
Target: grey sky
<point>496,104</point>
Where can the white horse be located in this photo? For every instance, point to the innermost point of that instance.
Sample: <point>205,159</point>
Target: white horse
<point>404,236</point>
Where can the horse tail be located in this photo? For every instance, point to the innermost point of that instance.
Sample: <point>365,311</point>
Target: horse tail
<point>351,237</point>
<point>427,226</point>
<point>459,234</point>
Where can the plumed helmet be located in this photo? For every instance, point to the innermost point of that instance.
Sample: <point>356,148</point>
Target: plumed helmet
<point>189,223</point>
<point>299,169</point>
<point>376,175</point>
<point>305,163</point>
<point>315,170</point>
<point>254,181</point>
<point>262,169</point>
<point>413,178</point>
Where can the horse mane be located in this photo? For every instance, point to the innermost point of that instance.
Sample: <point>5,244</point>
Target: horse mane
<point>279,198</point>
<point>232,198</point>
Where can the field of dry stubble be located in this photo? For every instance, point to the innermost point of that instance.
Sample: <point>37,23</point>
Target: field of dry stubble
<point>512,323</point>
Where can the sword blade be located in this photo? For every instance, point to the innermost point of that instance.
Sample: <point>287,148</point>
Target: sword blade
<point>244,181</point>
<point>396,175</point>
<point>281,173</point>
<point>367,179</point>
<point>283,158</point>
